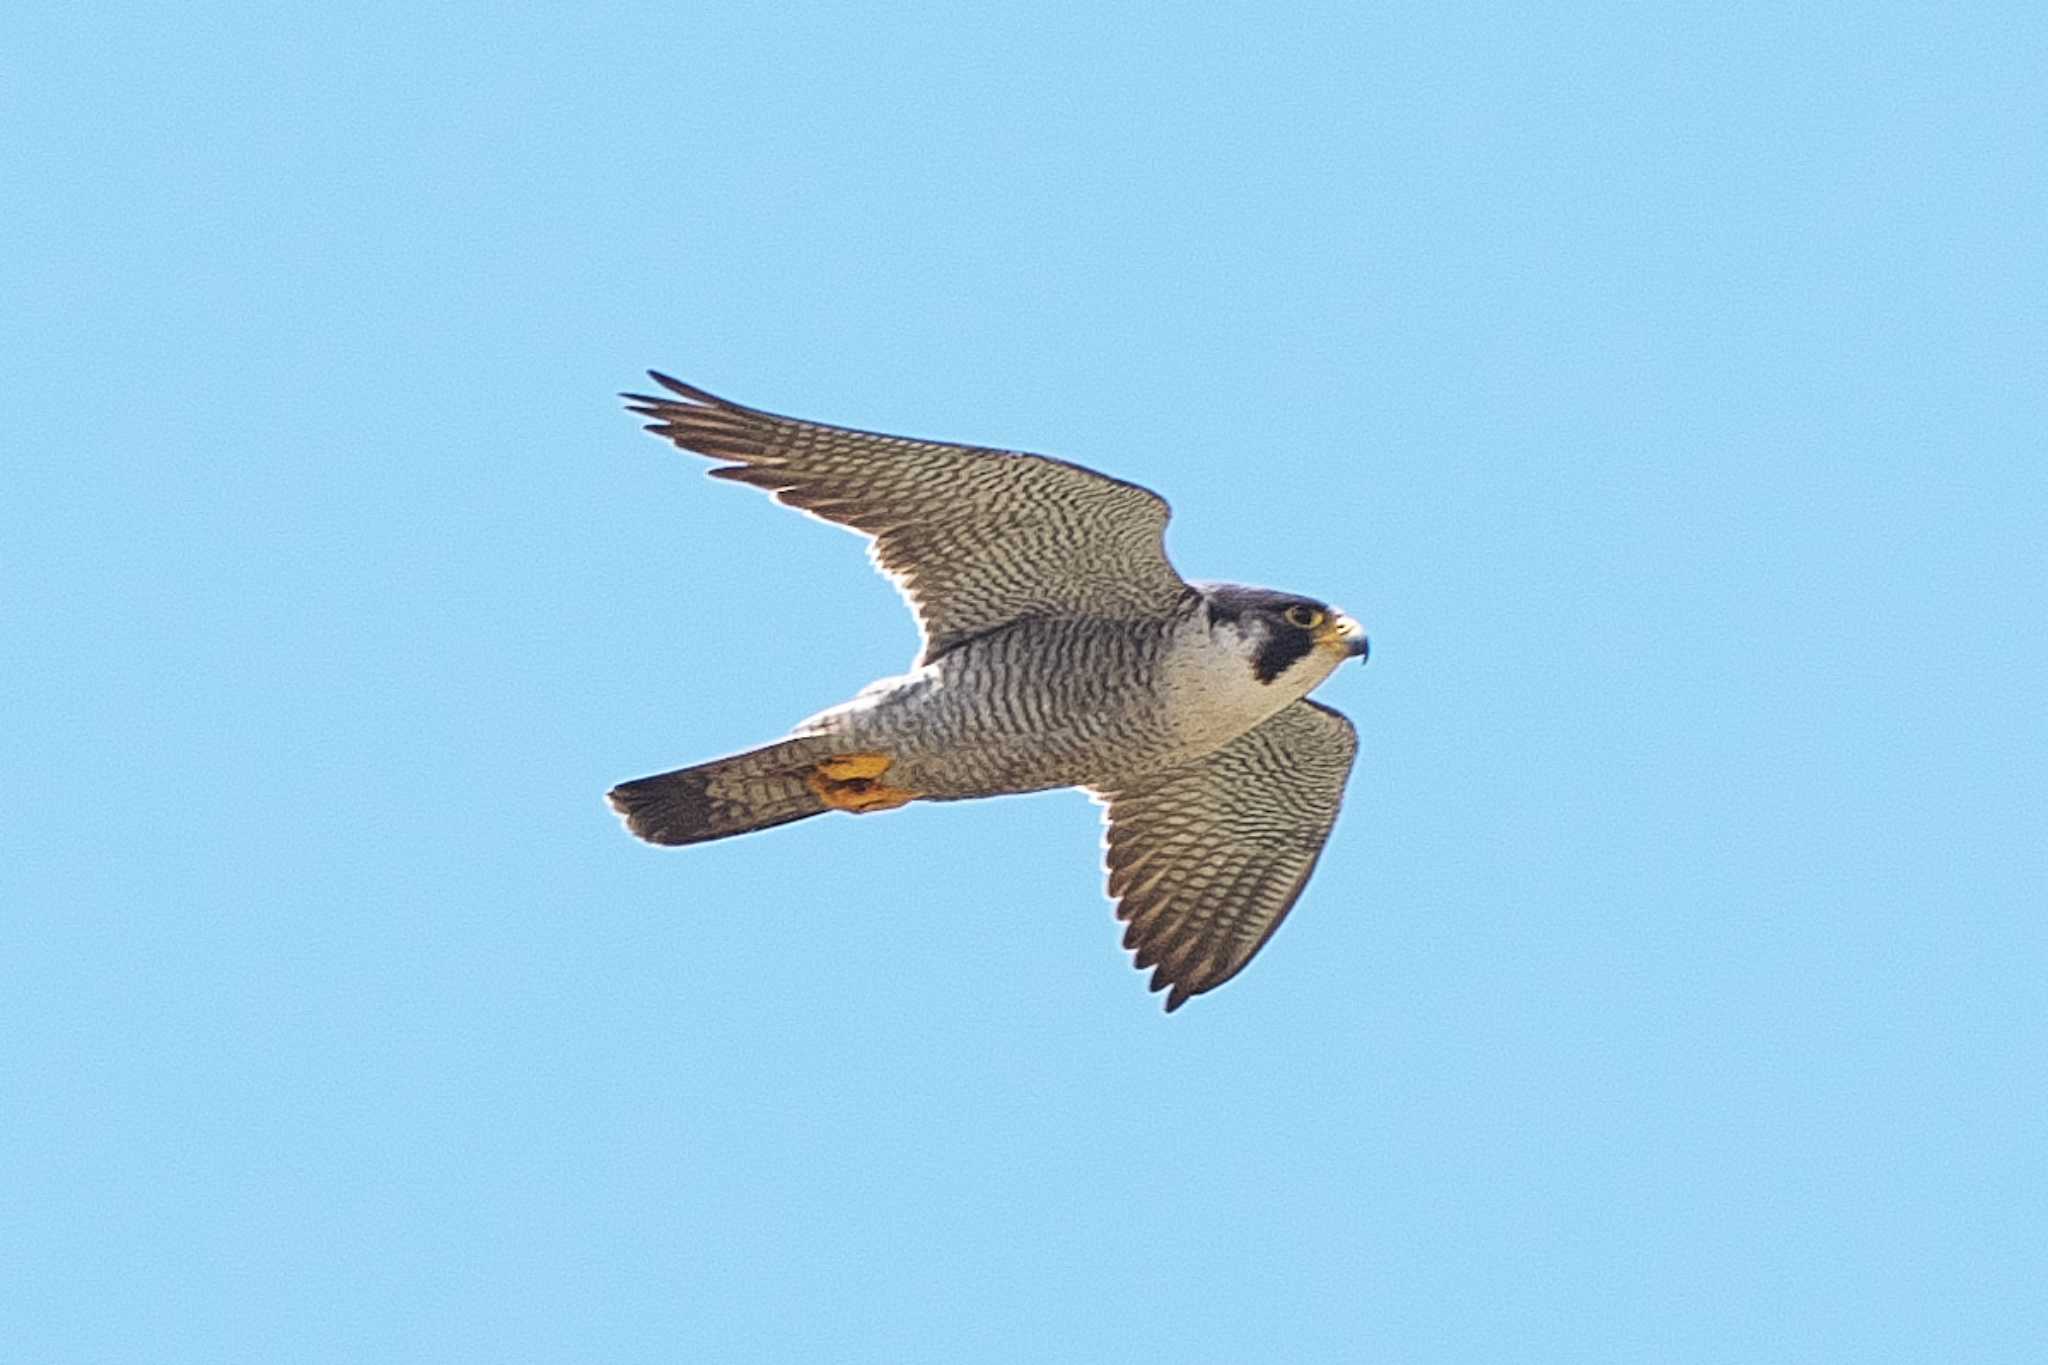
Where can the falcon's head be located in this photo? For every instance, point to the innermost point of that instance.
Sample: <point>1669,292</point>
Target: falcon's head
<point>1288,639</point>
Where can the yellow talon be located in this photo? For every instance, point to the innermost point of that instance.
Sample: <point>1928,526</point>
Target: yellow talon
<point>848,767</point>
<point>849,782</point>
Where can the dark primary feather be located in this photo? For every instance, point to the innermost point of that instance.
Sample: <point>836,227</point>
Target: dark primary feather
<point>1205,862</point>
<point>975,538</point>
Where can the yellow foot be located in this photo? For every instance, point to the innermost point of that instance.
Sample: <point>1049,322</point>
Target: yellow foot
<point>846,767</point>
<point>852,782</point>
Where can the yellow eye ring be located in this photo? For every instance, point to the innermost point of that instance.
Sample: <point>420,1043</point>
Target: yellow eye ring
<point>1308,618</point>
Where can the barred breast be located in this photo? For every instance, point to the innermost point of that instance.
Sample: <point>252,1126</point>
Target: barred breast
<point>1036,704</point>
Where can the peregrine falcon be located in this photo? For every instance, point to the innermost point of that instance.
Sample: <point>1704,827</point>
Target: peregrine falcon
<point>1060,649</point>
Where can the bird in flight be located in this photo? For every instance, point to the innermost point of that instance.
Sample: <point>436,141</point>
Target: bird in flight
<point>1060,649</point>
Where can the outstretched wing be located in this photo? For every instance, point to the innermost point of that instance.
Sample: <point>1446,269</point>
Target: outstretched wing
<point>1206,860</point>
<point>973,538</point>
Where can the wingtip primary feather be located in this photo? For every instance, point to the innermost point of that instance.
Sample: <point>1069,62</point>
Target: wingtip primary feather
<point>689,391</point>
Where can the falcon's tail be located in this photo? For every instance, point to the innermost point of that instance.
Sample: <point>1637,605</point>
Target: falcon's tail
<point>733,795</point>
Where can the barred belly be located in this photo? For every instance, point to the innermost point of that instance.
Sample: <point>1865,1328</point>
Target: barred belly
<point>1037,704</point>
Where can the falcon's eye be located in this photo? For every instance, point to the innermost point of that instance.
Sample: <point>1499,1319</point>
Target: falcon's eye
<point>1308,618</point>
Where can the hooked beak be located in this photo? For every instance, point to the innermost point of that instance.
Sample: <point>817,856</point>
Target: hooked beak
<point>1344,634</point>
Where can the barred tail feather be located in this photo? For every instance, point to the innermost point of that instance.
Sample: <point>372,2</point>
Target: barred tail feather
<point>727,796</point>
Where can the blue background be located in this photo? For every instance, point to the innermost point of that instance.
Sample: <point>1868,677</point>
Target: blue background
<point>1662,385</point>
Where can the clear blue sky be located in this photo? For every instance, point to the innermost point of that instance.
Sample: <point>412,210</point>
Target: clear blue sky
<point>1663,385</point>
